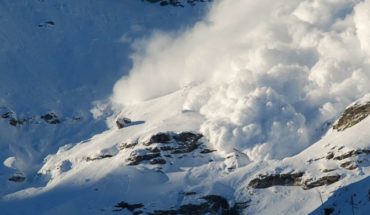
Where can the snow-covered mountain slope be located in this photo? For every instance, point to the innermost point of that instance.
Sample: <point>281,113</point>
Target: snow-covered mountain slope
<point>242,112</point>
<point>159,163</point>
<point>58,59</point>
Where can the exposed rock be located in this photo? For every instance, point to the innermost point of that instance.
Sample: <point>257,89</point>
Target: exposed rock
<point>352,115</point>
<point>165,144</point>
<point>123,146</point>
<point>50,118</point>
<point>207,151</point>
<point>184,142</point>
<point>328,211</point>
<point>350,165</point>
<point>176,3</point>
<point>330,155</point>
<point>99,157</point>
<point>124,205</point>
<point>160,161</point>
<point>17,122</point>
<point>213,205</point>
<point>17,178</point>
<point>46,24</point>
<point>292,179</point>
<point>159,138</point>
<point>325,180</point>
<point>122,122</point>
<point>136,157</point>
<point>265,181</point>
<point>351,154</point>
<point>7,115</point>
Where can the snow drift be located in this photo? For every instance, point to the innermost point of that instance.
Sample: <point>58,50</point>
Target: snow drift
<point>266,75</point>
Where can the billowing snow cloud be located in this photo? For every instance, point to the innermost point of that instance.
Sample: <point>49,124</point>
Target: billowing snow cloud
<point>266,75</point>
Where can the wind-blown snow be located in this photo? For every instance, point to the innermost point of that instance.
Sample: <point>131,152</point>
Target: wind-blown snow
<point>266,75</point>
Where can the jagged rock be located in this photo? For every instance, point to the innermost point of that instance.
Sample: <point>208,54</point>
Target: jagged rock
<point>165,144</point>
<point>159,138</point>
<point>325,180</point>
<point>50,118</point>
<point>328,211</point>
<point>176,3</point>
<point>122,122</point>
<point>184,142</point>
<point>265,181</point>
<point>17,178</point>
<point>99,157</point>
<point>17,122</point>
<point>127,145</point>
<point>213,205</point>
<point>46,24</point>
<point>350,165</point>
<point>291,179</point>
<point>124,205</point>
<point>136,157</point>
<point>160,161</point>
<point>330,155</point>
<point>7,115</point>
<point>207,151</point>
<point>352,153</point>
<point>352,115</point>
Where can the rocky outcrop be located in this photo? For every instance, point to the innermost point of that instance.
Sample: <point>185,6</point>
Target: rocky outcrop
<point>99,157</point>
<point>352,115</point>
<point>292,179</point>
<point>183,142</point>
<point>324,180</point>
<point>50,118</point>
<point>163,144</point>
<point>213,204</point>
<point>176,3</point>
<point>131,207</point>
<point>137,157</point>
<point>122,122</point>
<point>265,181</point>
<point>17,178</point>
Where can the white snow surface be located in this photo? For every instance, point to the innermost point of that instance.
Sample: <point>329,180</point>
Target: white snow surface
<point>261,80</point>
<point>265,74</point>
<point>70,184</point>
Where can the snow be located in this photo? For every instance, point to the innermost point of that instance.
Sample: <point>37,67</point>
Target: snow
<point>262,81</point>
<point>265,75</point>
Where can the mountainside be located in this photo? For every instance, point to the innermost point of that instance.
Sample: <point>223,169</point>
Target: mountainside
<point>159,164</point>
<point>184,107</point>
<point>58,63</point>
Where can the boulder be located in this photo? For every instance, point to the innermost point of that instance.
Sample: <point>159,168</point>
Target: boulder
<point>122,122</point>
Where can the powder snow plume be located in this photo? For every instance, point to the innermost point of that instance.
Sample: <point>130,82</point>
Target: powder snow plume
<point>266,75</point>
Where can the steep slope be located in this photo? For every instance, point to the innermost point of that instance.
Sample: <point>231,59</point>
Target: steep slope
<point>159,164</point>
<point>58,59</point>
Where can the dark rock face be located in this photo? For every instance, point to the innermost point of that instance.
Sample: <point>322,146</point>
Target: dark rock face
<point>131,207</point>
<point>292,179</point>
<point>213,205</point>
<point>325,180</point>
<point>352,115</point>
<point>17,178</point>
<point>176,3</point>
<point>99,157</point>
<point>163,144</point>
<point>122,122</point>
<point>351,153</point>
<point>184,142</point>
<point>160,161</point>
<point>136,158</point>
<point>265,181</point>
<point>328,211</point>
<point>159,138</point>
<point>51,118</point>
